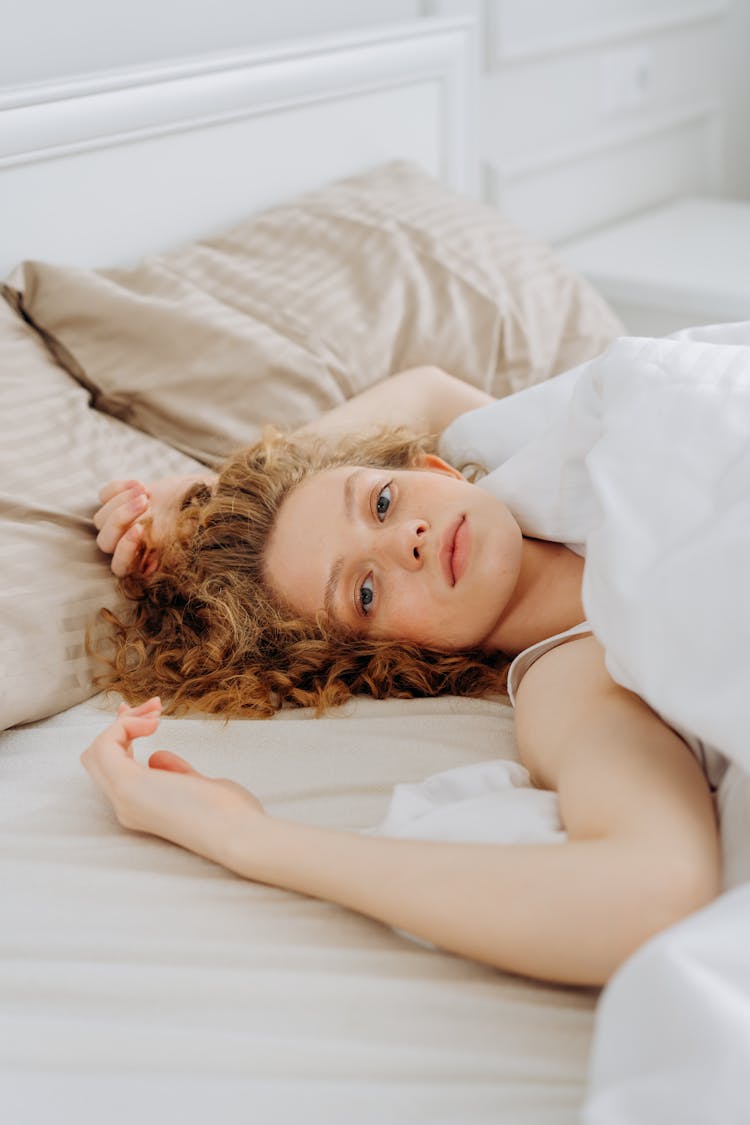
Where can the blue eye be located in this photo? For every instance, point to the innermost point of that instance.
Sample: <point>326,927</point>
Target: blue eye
<point>384,502</point>
<point>366,595</point>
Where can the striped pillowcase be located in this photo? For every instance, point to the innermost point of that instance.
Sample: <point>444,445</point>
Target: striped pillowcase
<point>55,454</point>
<point>300,307</point>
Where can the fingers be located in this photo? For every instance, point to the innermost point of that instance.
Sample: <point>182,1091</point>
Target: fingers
<point>151,706</point>
<point>136,722</point>
<point>129,727</point>
<point>122,534</point>
<point>114,487</point>
<point>116,509</point>
<point>113,745</point>
<point>102,514</point>
<point>166,760</point>
<point>116,516</point>
<point>149,562</point>
<point>129,551</point>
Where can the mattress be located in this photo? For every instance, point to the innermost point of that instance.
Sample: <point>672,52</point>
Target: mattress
<point>141,978</point>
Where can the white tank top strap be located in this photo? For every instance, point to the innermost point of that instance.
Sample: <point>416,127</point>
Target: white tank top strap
<point>525,659</point>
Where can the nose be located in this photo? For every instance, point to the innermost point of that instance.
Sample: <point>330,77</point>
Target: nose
<point>403,543</point>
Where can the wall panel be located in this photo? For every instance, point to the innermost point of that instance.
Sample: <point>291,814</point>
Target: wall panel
<point>595,109</point>
<point>522,30</point>
<point>590,187</point>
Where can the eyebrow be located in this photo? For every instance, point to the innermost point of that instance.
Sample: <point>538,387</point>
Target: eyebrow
<point>334,577</point>
<point>331,584</point>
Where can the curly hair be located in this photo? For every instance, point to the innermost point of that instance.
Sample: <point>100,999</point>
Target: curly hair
<point>208,633</point>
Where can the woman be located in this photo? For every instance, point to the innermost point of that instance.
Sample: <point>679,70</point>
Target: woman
<point>403,558</point>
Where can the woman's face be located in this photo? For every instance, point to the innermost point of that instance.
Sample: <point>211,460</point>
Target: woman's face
<point>408,554</point>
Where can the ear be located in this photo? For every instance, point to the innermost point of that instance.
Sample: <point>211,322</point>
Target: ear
<point>437,465</point>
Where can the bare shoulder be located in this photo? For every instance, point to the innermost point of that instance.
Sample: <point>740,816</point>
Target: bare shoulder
<point>555,695</point>
<point>616,765</point>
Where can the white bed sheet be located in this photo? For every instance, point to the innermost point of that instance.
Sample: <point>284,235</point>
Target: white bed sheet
<point>140,981</point>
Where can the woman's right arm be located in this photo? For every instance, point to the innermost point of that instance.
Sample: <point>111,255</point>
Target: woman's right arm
<point>642,849</point>
<point>628,787</point>
<point>137,520</point>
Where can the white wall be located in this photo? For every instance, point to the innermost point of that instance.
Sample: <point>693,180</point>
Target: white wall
<point>593,110</point>
<point>596,109</point>
<point>45,39</point>
<point>590,109</point>
<point>735,71</point>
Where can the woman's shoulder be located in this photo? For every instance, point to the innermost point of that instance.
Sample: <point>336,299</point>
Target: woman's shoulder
<point>530,655</point>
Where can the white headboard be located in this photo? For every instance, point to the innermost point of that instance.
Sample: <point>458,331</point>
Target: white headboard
<point>103,168</point>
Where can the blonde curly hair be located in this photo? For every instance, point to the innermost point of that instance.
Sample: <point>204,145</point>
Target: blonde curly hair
<point>208,633</point>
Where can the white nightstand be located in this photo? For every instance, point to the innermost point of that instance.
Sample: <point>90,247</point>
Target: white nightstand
<point>682,264</point>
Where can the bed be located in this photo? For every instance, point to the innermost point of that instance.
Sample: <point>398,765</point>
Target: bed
<point>137,980</point>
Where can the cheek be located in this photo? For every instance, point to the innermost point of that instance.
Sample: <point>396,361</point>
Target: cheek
<point>416,615</point>
<point>406,615</point>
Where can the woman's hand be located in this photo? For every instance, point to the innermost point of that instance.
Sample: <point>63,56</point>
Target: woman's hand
<point>137,521</point>
<point>168,798</point>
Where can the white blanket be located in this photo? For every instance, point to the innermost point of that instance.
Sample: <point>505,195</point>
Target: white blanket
<point>640,459</point>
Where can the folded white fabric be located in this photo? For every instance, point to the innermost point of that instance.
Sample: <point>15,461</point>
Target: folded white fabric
<point>490,802</point>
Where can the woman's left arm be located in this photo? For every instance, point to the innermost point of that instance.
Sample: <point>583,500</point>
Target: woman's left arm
<point>642,850</point>
<point>424,399</point>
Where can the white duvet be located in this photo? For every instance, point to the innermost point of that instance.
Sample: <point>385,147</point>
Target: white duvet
<point>640,459</point>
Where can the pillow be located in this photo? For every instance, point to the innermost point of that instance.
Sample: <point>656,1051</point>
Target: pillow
<point>55,454</point>
<point>304,305</point>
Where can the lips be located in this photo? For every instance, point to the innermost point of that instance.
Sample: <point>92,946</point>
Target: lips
<point>448,550</point>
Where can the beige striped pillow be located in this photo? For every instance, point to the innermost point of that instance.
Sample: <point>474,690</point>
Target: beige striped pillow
<point>55,454</point>
<point>302,306</point>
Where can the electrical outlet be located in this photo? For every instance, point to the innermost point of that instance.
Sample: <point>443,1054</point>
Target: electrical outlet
<point>626,79</point>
